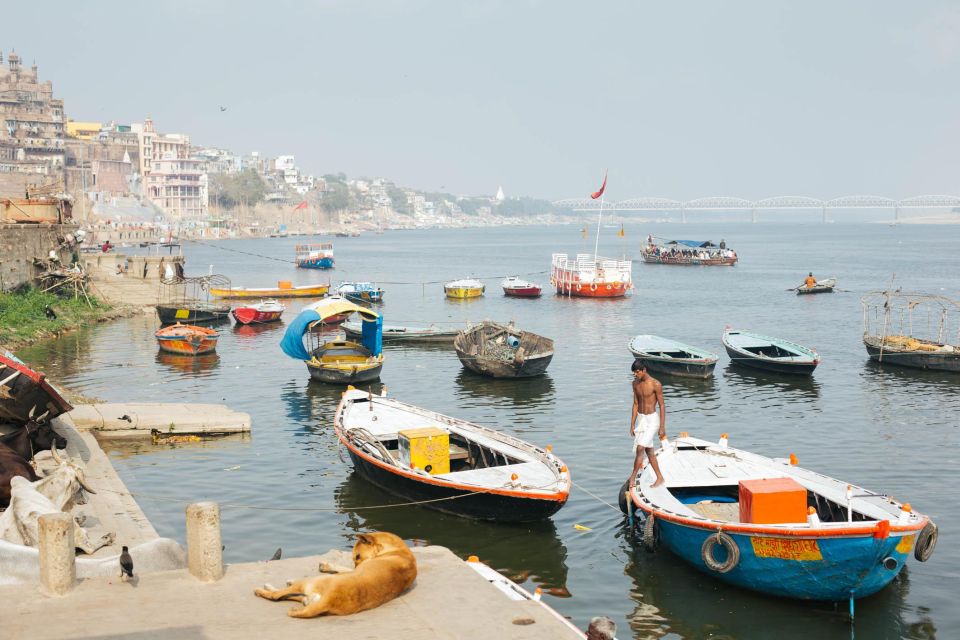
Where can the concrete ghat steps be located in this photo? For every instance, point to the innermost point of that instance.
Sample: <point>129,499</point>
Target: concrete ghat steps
<point>168,418</point>
<point>448,601</point>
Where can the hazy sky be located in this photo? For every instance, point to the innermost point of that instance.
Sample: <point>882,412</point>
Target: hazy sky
<point>678,99</point>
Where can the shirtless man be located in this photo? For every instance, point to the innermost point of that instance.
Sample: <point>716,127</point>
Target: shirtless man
<point>647,395</point>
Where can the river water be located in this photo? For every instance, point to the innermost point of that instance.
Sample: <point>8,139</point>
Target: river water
<point>886,429</point>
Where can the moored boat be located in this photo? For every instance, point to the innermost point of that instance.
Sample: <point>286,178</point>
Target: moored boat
<point>689,253</point>
<point>26,394</point>
<point>187,339</point>
<point>891,336</point>
<point>769,354</point>
<point>361,291</point>
<point>503,351</point>
<point>465,288</point>
<point>264,311</point>
<point>668,356</point>
<point>336,361</point>
<point>589,276</point>
<point>774,527</point>
<point>192,312</point>
<point>284,289</point>
<point>314,256</point>
<point>823,286</point>
<point>516,287</point>
<point>397,334</point>
<point>453,465</point>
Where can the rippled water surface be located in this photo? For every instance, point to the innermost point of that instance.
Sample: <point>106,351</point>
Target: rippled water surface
<point>888,429</point>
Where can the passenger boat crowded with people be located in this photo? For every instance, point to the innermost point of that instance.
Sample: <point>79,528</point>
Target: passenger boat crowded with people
<point>314,256</point>
<point>688,252</point>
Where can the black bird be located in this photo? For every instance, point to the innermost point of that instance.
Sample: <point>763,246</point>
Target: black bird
<point>276,554</point>
<point>222,108</point>
<point>50,313</point>
<point>126,564</point>
<point>127,418</point>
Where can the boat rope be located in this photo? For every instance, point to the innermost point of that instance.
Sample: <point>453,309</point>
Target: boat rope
<point>596,497</point>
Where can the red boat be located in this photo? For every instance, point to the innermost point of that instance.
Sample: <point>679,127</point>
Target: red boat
<point>187,339</point>
<point>265,311</point>
<point>514,286</point>
<point>590,276</point>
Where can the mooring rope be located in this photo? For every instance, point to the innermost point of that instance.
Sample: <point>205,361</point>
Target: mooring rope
<point>596,497</point>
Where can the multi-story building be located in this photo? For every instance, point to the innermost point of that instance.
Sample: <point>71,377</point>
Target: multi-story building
<point>179,187</point>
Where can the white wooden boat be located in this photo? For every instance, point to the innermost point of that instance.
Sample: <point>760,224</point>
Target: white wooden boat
<point>672,357</point>
<point>396,333</point>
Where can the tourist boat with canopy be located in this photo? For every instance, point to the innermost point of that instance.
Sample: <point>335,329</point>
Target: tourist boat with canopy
<point>464,288</point>
<point>912,330</point>
<point>400,334</point>
<point>826,285</point>
<point>314,256</point>
<point>449,464</point>
<point>336,361</point>
<point>503,351</point>
<point>769,354</point>
<point>519,288</point>
<point>284,289</point>
<point>688,252</point>
<point>26,394</point>
<point>664,355</point>
<point>264,311</point>
<point>361,292</point>
<point>772,526</point>
<point>187,339</point>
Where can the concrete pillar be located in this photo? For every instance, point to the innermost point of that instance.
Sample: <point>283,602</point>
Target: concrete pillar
<point>204,547</point>
<point>58,567</point>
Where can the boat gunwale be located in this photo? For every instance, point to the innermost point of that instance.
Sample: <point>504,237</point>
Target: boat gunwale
<point>814,358</point>
<point>709,358</point>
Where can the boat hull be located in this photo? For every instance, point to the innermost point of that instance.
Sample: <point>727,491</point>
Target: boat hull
<point>931,361</point>
<point>311,291</point>
<point>603,290</point>
<point>769,364</point>
<point>249,315</point>
<point>807,291</point>
<point>807,568</point>
<point>187,314</point>
<point>679,367</point>
<point>187,346</point>
<point>442,337</point>
<point>364,296</point>
<point>493,368</point>
<point>458,501</point>
<point>27,392</point>
<point>523,292</point>
<point>463,293</point>
<point>315,263</point>
<point>689,262</point>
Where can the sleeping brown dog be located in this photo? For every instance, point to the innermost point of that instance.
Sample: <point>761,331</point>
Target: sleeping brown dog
<point>383,569</point>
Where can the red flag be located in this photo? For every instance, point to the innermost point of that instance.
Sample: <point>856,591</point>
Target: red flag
<point>597,194</point>
<point>302,205</point>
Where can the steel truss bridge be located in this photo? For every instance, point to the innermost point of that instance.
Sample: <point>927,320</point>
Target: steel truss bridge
<point>728,203</point>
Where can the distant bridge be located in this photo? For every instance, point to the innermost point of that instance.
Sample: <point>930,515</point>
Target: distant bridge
<point>728,203</point>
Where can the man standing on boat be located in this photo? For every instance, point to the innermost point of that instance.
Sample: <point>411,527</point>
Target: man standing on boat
<point>647,397</point>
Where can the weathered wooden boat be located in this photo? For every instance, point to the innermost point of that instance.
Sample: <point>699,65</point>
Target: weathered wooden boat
<point>769,354</point>
<point>688,253</point>
<point>668,356</point>
<point>284,289</point>
<point>892,336</point>
<point>187,299</point>
<point>772,526</point>
<point>314,256</point>
<point>823,286</point>
<point>518,288</point>
<point>361,292</point>
<point>193,312</point>
<point>465,288</point>
<point>453,465</point>
<point>395,334</point>
<point>589,276</point>
<point>187,339</point>
<point>503,351</point>
<point>336,361</point>
<point>26,394</point>
<point>264,311</point>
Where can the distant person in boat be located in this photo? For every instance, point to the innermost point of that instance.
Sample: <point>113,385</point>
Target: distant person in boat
<point>811,282</point>
<point>723,244</point>
<point>647,396</point>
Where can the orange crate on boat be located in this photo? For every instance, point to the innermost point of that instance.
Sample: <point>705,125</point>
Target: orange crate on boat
<point>772,501</point>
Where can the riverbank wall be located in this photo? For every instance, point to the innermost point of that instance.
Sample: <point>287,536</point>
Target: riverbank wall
<point>22,244</point>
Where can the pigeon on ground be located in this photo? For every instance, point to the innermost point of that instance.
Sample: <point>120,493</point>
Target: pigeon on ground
<point>276,554</point>
<point>126,564</point>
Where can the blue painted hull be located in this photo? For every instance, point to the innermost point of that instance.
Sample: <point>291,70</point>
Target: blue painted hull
<point>319,263</point>
<point>849,565</point>
<point>365,296</point>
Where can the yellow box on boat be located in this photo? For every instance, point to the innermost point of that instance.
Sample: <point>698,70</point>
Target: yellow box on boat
<point>426,448</point>
<point>284,284</point>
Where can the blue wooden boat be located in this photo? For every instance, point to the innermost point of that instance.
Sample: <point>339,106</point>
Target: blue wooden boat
<point>314,256</point>
<point>361,291</point>
<point>664,355</point>
<point>850,544</point>
<point>769,354</point>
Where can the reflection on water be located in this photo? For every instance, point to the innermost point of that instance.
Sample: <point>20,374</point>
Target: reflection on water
<point>247,334</point>
<point>525,552</point>
<point>529,392</point>
<point>789,388</point>
<point>201,364</point>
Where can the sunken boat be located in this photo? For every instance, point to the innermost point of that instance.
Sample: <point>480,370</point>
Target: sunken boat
<point>503,351</point>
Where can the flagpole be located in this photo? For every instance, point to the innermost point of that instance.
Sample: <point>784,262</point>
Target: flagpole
<point>596,246</point>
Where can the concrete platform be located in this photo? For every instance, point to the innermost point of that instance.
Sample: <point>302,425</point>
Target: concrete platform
<point>167,418</point>
<point>448,601</point>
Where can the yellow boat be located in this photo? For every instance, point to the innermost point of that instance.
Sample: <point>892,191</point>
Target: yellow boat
<point>284,289</point>
<point>468,288</point>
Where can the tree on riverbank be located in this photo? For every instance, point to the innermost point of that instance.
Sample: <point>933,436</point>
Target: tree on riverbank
<point>229,190</point>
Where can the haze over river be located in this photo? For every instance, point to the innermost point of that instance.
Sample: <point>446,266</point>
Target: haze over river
<point>887,429</point>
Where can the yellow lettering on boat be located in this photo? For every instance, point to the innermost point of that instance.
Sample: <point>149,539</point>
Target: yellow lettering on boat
<point>906,544</point>
<point>182,313</point>
<point>786,548</point>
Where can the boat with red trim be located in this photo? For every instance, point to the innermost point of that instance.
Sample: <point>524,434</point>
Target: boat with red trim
<point>187,339</point>
<point>772,526</point>
<point>519,288</point>
<point>26,394</point>
<point>449,464</point>
<point>701,253</point>
<point>589,276</point>
<point>260,313</point>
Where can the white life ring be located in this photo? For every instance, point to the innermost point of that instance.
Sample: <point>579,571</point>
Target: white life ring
<point>609,287</point>
<point>593,287</point>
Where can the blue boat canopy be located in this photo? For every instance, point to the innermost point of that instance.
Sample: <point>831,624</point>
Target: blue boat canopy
<point>693,243</point>
<point>292,342</point>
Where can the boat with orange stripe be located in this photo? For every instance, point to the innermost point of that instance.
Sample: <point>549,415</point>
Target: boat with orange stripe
<point>449,464</point>
<point>772,526</point>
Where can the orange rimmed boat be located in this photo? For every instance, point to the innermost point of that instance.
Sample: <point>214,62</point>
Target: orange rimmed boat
<point>284,289</point>
<point>453,465</point>
<point>187,339</point>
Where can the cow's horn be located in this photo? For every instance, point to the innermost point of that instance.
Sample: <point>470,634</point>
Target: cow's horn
<point>83,484</point>
<point>56,456</point>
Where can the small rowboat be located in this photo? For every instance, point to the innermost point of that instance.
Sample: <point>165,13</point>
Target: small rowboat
<point>361,292</point>
<point>769,354</point>
<point>772,526</point>
<point>193,312</point>
<point>187,339</point>
<point>265,311</point>
<point>671,357</point>
<point>344,362</point>
<point>453,465</point>
<point>284,289</point>
<point>514,286</point>
<point>823,286</point>
<point>394,333</point>
<point>503,351</point>
<point>467,288</point>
